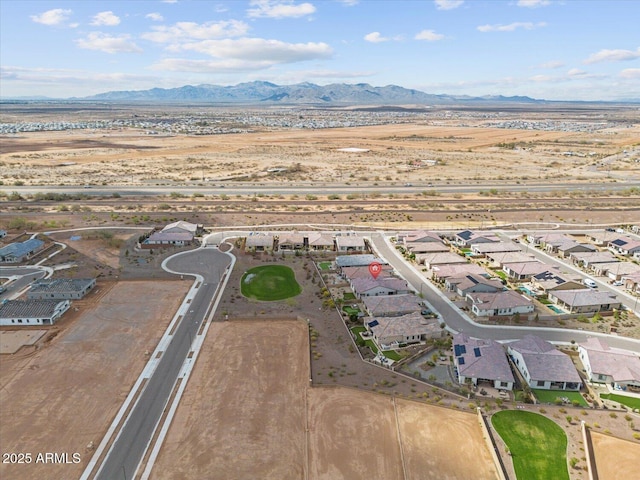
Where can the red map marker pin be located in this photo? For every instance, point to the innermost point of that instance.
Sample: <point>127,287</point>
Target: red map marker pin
<point>374,269</point>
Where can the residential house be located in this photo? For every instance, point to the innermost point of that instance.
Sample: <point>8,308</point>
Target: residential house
<point>632,282</point>
<point>498,259</point>
<point>421,236</point>
<point>350,243</point>
<point>395,332</point>
<point>550,280</point>
<point>473,283</point>
<point>444,258</point>
<point>183,227</point>
<point>543,366</point>
<point>585,300</point>
<point>615,270</point>
<point>624,246</point>
<point>20,251</point>
<point>60,288</point>
<point>479,361</point>
<point>320,241</point>
<point>392,305</point>
<point>31,312</point>
<point>259,242</point>
<point>351,273</point>
<point>565,249</point>
<point>368,287</point>
<point>523,270</point>
<point>604,364</point>
<point>426,247</point>
<point>466,238</point>
<point>167,239</point>
<point>587,260</point>
<point>440,273</point>
<point>499,303</point>
<point>290,241</point>
<point>602,238</point>
<point>481,249</point>
<point>357,260</point>
<point>548,241</point>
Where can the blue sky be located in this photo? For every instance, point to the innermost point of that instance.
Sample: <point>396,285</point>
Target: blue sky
<point>557,50</point>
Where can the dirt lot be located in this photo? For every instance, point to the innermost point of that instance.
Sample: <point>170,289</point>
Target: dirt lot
<point>63,395</point>
<point>244,409</point>
<point>248,406</point>
<point>615,458</point>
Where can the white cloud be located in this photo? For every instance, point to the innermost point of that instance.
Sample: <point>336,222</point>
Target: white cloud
<point>349,3</point>
<point>107,19</point>
<point>429,35</point>
<point>447,4</point>
<point>613,56</point>
<point>52,17</point>
<point>533,3</point>
<point>210,66</point>
<point>279,9</point>
<point>156,17</point>
<point>107,43</point>
<point>511,27</point>
<point>196,31</point>
<point>552,64</point>
<point>576,72</point>
<point>630,73</point>
<point>375,37</point>
<point>260,50</point>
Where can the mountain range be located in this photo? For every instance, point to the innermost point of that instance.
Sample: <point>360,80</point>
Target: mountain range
<point>302,93</point>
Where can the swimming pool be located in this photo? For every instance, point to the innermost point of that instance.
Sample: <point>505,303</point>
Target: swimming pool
<point>555,309</point>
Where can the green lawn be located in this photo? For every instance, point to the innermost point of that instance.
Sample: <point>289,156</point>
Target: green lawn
<point>538,446</point>
<point>269,283</point>
<point>500,274</point>
<point>350,310</point>
<point>630,402</point>
<point>324,265</point>
<point>390,354</point>
<point>549,396</point>
<point>348,296</point>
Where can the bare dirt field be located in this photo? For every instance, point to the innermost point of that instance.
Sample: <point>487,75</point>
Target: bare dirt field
<point>64,394</point>
<point>248,407</point>
<point>243,410</point>
<point>615,458</point>
<point>13,340</point>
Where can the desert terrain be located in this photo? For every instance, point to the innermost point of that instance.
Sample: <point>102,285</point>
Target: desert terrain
<point>61,395</point>
<point>624,464</point>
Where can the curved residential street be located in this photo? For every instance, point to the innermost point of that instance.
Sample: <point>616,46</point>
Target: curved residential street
<point>457,321</point>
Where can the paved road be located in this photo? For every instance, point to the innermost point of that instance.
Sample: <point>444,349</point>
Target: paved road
<point>123,459</point>
<point>320,188</point>
<point>459,322</point>
<point>26,276</point>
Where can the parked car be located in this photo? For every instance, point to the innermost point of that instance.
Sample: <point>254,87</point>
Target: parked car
<point>590,283</point>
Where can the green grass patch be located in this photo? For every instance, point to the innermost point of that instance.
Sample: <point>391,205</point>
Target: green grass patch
<point>630,402</point>
<point>550,396</point>
<point>500,274</point>
<point>350,310</point>
<point>269,283</point>
<point>324,266</point>
<point>348,296</point>
<point>544,301</point>
<point>390,354</point>
<point>538,446</point>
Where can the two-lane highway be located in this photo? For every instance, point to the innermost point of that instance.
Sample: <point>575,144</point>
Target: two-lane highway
<point>123,459</point>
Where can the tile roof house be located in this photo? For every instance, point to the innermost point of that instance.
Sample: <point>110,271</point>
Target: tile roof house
<point>550,280</point>
<point>394,332</point>
<point>259,242</point>
<point>624,246</point>
<point>585,300</point>
<point>20,251</point>
<point>602,238</point>
<point>543,366</point>
<point>320,241</point>
<point>589,259</point>
<point>426,247</point>
<point>181,227</point>
<point>470,283</point>
<point>421,236</point>
<point>392,305</point>
<point>466,238</point>
<point>499,303</point>
<point>444,258</point>
<point>350,273</point>
<point>615,270</point>
<point>604,364</point>
<point>350,243</point>
<point>523,270</point>
<point>60,288</point>
<point>291,241</point>
<point>479,361</point>
<point>498,259</point>
<point>367,287</point>
<point>440,273</point>
<point>162,238</point>
<point>567,248</point>
<point>481,249</point>
<point>32,312</point>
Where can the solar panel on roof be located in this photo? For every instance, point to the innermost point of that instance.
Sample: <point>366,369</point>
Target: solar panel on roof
<point>476,352</point>
<point>461,361</point>
<point>456,350</point>
<point>373,324</point>
<point>463,349</point>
